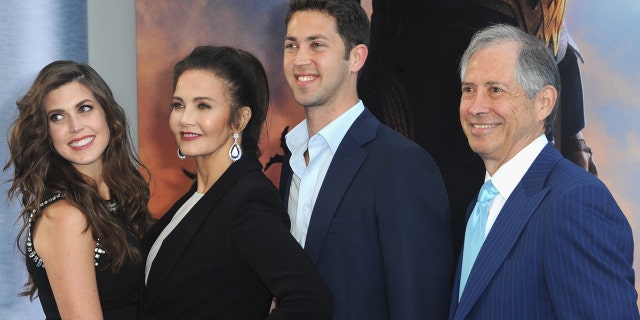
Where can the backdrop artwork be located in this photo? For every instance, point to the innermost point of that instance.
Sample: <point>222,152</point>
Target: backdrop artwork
<point>34,33</point>
<point>168,30</point>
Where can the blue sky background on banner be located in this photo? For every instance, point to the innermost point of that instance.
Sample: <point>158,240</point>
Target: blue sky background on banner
<point>606,33</point>
<point>32,34</point>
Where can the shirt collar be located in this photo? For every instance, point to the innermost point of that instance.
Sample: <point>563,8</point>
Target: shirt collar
<point>337,129</point>
<point>509,174</point>
<point>333,133</point>
<point>297,138</point>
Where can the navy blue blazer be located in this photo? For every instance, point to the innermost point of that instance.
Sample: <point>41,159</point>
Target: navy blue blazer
<point>380,229</point>
<point>560,248</point>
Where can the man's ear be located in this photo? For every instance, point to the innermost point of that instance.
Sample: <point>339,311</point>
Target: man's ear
<point>359,55</point>
<point>545,101</point>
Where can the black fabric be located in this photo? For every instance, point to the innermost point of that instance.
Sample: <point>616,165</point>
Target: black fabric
<point>418,44</point>
<point>119,292</point>
<point>231,254</point>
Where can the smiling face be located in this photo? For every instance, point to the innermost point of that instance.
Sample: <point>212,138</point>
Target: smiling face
<point>77,125</point>
<point>200,116</point>
<point>496,115</point>
<point>314,61</point>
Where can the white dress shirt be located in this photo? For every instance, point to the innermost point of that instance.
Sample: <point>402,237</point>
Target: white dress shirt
<point>307,179</point>
<point>507,177</point>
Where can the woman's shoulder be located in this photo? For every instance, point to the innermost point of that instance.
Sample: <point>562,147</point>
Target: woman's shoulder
<point>64,214</point>
<point>256,194</point>
<point>254,181</point>
<point>56,210</point>
<point>59,227</point>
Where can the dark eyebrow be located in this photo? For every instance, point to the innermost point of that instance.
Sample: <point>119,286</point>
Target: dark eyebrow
<point>309,38</point>
<point>203,98</point>
<point>78,105</point>
<point>83,102</point>
<point>195,99</point>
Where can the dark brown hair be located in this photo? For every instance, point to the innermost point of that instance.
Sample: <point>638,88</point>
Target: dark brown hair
<point>352,22</point>
<point>246,82</point>
<point>40,171</point>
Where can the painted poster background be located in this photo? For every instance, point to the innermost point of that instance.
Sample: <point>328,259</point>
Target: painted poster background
<point>606,34</point>
<point>33,33</point>
<point>168,30</point>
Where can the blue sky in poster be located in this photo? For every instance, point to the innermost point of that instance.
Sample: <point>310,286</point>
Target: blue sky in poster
<point>32,34</point>
<point>607,34</point>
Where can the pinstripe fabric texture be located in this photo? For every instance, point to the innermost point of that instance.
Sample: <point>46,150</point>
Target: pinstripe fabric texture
<point>561,248</point>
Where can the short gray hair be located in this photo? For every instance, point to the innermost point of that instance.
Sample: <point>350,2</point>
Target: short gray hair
<point>535,64</point>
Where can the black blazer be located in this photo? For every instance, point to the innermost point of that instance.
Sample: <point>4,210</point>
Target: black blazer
<point>231,254</point>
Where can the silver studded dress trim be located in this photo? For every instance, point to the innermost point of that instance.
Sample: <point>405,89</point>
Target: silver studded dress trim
<point>112,206</point>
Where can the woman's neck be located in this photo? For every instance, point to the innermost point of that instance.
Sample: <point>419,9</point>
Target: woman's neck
<point>209,171</point>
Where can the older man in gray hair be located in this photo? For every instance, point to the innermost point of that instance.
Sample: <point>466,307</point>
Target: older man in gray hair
<point>545,239</point>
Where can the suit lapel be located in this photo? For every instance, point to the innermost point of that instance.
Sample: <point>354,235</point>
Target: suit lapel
<point>178,241</point>
<point>154,232</point>
<point>343,168</point>
<point>513,217</point>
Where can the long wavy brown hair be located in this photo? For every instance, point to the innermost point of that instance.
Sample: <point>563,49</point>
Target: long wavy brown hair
<point>39,171</point>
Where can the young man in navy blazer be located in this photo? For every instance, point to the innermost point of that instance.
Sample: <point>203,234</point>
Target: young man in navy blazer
<point>367,204</point>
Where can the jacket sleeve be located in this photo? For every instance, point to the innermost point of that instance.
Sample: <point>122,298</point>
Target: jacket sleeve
<point>589,256</point>
<point>415,236</point>
<point>262,238</point>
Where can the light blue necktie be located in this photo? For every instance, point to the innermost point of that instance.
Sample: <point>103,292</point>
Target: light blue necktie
<point>474,235</point>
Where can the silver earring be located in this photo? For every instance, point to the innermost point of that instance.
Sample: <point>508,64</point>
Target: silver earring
<point>180,155</point>
<point>235,153</point>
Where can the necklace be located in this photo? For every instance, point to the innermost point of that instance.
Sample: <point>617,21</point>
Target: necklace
<point>112,205</point>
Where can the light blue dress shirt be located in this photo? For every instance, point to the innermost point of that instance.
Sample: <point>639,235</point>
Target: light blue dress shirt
<point>307,179</point>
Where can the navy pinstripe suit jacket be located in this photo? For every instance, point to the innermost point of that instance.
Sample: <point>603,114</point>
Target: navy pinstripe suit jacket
<point>560,248</point>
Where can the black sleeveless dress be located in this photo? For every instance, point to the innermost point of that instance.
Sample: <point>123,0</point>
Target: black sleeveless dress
<point>119,292</point>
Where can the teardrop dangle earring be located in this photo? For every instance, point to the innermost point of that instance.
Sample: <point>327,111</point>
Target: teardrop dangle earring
<point>180,155</point>
<point>235,153</point>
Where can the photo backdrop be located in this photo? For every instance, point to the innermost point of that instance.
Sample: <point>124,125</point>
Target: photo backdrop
<point>605,33</point>
<point>32,34</point>
<point>169,30</point>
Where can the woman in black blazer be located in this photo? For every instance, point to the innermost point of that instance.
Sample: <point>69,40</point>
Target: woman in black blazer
<point>224,250</point>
